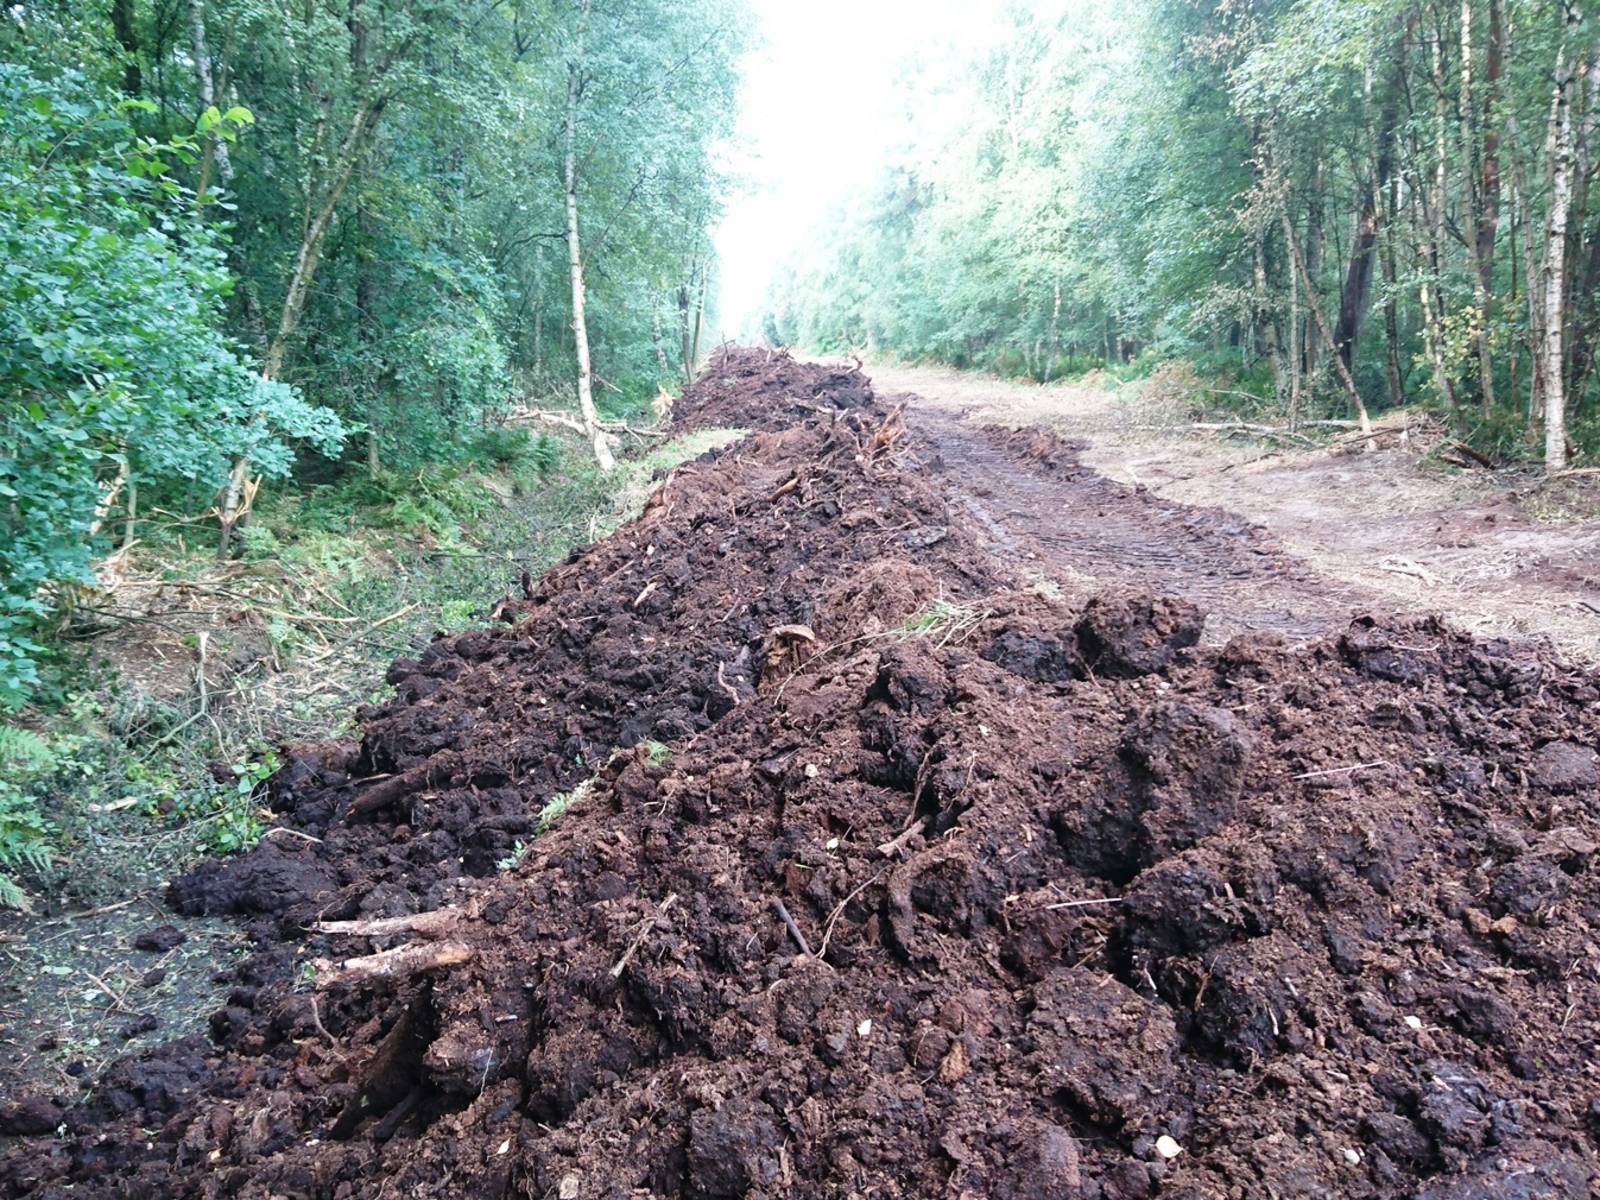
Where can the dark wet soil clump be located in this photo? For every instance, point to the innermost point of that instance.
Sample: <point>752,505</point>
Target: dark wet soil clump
<point>880,874</point>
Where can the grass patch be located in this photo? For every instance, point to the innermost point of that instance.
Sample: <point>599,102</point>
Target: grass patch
<point>944,621</point>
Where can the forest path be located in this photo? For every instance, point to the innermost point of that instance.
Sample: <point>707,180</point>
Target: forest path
<point>1294,542</point>
<point>1075,530</point>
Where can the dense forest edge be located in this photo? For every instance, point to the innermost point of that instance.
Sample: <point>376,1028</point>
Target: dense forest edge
<point>314,313</point>
<point>1327,208</point>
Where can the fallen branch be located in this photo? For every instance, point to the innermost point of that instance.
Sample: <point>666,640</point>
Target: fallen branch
<point>1272,431</point>
<point>569,422</point>
<point>292,833</point>
<point>106,908</point>
<point>1483,460</point>
<point>890,848</point>
<point>1404,566</point>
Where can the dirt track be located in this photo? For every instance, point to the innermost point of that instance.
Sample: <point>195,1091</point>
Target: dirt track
<point>1494,551</point>
<point>899,863</point>
<point>1083,533</point>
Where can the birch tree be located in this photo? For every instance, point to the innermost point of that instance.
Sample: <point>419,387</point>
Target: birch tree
<point>580,329</point>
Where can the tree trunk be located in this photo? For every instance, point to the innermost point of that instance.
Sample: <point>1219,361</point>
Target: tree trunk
<point>366,284</point>
<point>1315,306</point>
<point>1520,200</point>
<point>1554,271</point>
<point>1472,219</point>
<point>131,510</point>
<point>580,328</point>
<point>1356,294</point>
<point>1391,317</point>
<point>685,349</point>
<point>699,320</point>
<point>661,348</point>
<point>1055,333</point>
<point>128,39</point>
<point>216,147</point>
<point>1312,258</point>
<point>1489,187</point>
<point>1582,304</point>
<point>1430,239</point>
<point>1295,358</point>
<point>1511,244</point>
<point>1580,278</point>
<point>1263,320</point>
<point>309,256</point>
<point>294,302</point>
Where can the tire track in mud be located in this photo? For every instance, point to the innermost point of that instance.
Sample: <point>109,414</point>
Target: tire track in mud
<point>1056,518</point>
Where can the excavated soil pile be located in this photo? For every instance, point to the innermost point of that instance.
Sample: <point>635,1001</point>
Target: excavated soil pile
<point>749,388</point>
<point>651,635</point>
<point>894,880</point>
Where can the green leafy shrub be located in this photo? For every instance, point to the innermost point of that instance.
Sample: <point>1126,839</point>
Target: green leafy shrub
<point>227,816</point>
<point>112,359</point>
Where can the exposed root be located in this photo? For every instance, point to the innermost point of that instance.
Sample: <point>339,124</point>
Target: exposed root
<point>403,961</point>
<point>430,924</point>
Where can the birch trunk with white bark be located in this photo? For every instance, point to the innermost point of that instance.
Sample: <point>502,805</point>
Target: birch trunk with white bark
<point>580,328</point>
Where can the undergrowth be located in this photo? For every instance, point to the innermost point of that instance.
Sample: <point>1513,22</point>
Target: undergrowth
<point>133,769</point>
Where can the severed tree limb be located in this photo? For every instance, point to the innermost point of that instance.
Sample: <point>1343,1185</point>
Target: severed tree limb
<point>403,961</point>
<point>523,415</point>
<point>434,922</point>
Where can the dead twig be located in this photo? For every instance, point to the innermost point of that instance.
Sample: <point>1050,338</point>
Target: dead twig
<point>794,930</point>
<point>118,1001</point>
<point>726,686</point>
<point>104,908</point>
<point>1341,770</point>
<point>644,932</point>
<point>838,911</point>
<point>316,1019</point>
<point>1085,903</point>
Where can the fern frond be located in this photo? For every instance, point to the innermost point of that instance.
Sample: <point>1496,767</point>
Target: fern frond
<point>23,748</point>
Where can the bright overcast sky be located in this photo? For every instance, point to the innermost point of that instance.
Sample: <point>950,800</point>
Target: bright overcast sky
<point>817,113</point>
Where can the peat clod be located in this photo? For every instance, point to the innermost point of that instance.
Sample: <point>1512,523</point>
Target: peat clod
<point>887,876</point>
